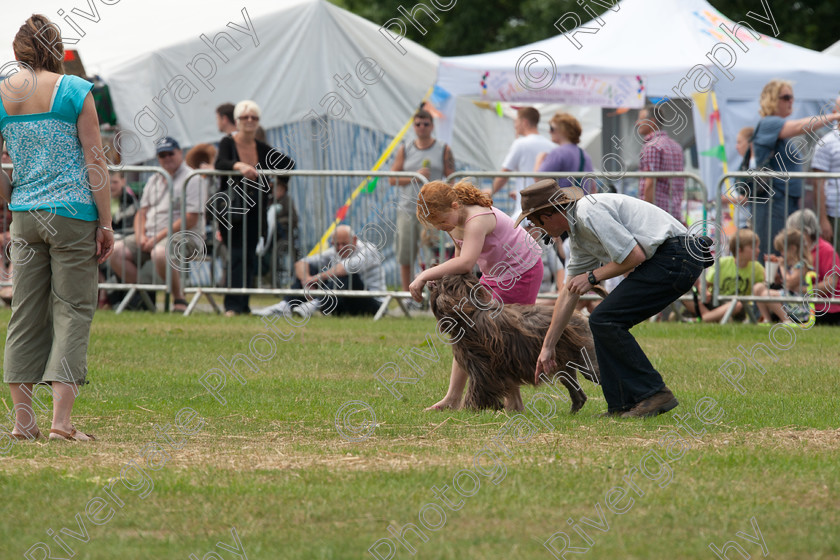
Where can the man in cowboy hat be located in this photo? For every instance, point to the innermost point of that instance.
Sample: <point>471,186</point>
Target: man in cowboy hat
<point>613,234</point>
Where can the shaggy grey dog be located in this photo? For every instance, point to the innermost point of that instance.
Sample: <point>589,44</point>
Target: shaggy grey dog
<point>498,345</point>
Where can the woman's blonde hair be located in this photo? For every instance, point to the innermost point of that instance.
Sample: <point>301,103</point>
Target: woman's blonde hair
<point>437,197</point>
<point>769,100</point>
<point>246,105</point>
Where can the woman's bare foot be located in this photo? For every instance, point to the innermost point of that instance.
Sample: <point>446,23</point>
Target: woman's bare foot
<point>444,404</point>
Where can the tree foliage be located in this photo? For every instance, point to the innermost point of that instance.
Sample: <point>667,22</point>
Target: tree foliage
<point>478,26</point>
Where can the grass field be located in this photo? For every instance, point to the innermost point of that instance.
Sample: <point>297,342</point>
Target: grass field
<point>270,465</point>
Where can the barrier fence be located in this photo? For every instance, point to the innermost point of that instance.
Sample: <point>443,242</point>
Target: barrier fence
<point>243,262</point>
<point>753,193</point>
<point>235,266</point>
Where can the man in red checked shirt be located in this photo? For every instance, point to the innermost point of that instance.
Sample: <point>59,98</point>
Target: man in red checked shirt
<point>660,153</point>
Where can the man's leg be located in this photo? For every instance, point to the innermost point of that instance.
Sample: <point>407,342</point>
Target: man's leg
<point>161,263</point>
<point>124,258</point>
<point>627,376</point>
<point>354,305</point>
<point>408,239</point>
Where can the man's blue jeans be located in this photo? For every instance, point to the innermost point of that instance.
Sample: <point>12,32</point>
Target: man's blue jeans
<point>627,376</point>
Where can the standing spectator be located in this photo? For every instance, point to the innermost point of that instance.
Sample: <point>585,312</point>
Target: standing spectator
<point>433,160</point>
<point>826,264</point>
<point>523,153</point>
<point>827,158</point>
<point>224,119</point>
<point>565,130</point>
<point>61,228</point>
<point>660,153</point>
<point>124,204</point>
<point>151,224</point>
<point>242,152</point>
<point>772,136</point>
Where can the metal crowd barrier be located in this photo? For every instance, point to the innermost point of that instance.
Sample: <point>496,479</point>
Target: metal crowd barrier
<point>221,282</point>
<point>753,202</point>
<point>136,287</point>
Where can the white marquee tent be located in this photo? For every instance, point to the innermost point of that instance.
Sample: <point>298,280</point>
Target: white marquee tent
<point>664,44</point>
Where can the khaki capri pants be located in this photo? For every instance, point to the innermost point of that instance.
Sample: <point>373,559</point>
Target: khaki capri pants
<point>54,298</point>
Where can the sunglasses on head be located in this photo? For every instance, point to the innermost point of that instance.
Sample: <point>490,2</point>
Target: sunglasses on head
<point>786,97</point>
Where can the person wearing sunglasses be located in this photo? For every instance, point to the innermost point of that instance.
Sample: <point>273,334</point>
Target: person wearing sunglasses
<point>241,232</point>
<point>151,223</point>
<point>776,149</point>
<point>433,160</point>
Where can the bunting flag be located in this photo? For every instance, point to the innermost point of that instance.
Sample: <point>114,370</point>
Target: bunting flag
<point>499,109</point>
<point>323,244</point>
<point>718,152</point>
<point>371,186</point>
<point>700,99</point>
<point>714,118</point>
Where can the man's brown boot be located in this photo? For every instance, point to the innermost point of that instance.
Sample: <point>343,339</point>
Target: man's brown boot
<point>663,401</point>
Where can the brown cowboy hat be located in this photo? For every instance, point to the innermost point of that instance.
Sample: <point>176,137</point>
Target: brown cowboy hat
<point>546,194</point>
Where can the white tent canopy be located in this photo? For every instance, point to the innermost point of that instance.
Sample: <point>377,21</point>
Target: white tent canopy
<point>665,45</point>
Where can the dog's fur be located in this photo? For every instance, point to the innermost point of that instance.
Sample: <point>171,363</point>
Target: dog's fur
<point>498,345</point>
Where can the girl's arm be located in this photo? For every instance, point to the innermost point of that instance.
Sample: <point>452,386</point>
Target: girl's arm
<point>464,260</point>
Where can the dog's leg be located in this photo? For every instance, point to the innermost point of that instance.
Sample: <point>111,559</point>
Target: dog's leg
<point>569,380</point>
<point>513,400</point>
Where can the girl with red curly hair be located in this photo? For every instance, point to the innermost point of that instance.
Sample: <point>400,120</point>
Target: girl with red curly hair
<point>508,257</point>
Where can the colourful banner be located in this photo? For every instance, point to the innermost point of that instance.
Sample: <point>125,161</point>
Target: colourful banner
<point>543,84</point>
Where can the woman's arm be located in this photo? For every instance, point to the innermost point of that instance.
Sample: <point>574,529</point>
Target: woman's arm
<point>796,127</point>
<point>226,158</point>
<point>88,126</point>
<point>5,182</point>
